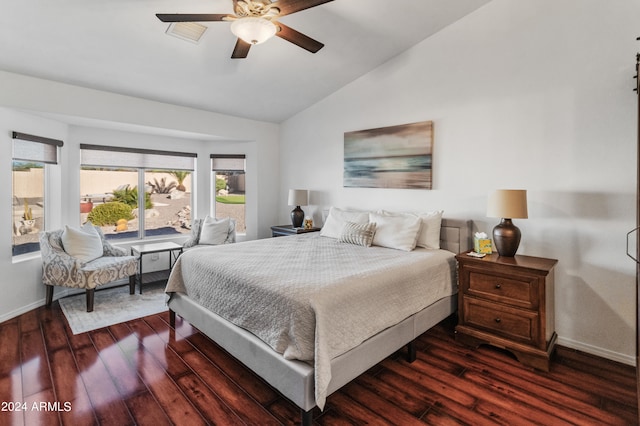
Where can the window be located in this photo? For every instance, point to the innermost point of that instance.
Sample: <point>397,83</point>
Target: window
<point>31,156</point>
<point>110,178</point>
<point>229,177</point>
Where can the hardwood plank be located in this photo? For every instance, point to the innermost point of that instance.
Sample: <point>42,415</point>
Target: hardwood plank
<point>70,388</point>
<point>350,409</point>
<point>596,365</point>
<point>245,378</point>
<point>228,391</point>
<point>29,321</point>
<point>11,392</point>
<point>209,404</point>
<point>39,411</point>
<point>102,392</point>
<point>178,343</point>
<point>124,376</point>
<point>10,347</point>
<point>456,387</point>
<point>287,412</point>
<point>156,347</point>
<point>399,391</point>
<point>53,330</point>
<point>146,410</point>
<point>464,356</point>
<point>35,368</point>
<point>145,372</point>
<point>439,384</point>
<point>387,410</point>
<point>538,402</point>
<point>170,397</point>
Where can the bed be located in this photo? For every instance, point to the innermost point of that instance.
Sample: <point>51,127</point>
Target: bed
<point>307,368</point>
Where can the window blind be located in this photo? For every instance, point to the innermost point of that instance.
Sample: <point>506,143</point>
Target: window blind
<point>111,156</point>
<point>227,163</point>
<point>35,148</point>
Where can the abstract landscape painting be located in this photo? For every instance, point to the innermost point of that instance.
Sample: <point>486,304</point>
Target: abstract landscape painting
<point>389,157</point>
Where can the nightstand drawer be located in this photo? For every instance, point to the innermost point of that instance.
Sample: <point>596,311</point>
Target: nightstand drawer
<point>522,293</point>
<point>513,323</point>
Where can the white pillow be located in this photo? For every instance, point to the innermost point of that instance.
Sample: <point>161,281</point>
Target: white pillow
<point>214,231</point>
<point>334,224</point>
<point>396,232</point>
<point>429,236</point>
<point>84,244</point>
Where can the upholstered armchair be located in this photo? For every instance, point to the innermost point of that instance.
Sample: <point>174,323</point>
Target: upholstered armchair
<point>211,231</point>
<point>59,268</point>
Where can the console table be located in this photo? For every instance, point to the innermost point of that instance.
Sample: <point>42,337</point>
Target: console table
<point>174,250</point>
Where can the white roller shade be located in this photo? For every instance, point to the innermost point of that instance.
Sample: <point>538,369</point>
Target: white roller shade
<point>228,163</point>
<point>35,148</point>
<point>107,156</point>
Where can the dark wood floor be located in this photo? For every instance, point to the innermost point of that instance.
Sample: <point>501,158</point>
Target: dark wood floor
<point>142,372</point>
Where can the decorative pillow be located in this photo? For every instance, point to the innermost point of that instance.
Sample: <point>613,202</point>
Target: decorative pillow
<point>396,232</point>
<point>84,244</point>
<point>360,234</point>
<point>338,218</point>
<point>214,231</point>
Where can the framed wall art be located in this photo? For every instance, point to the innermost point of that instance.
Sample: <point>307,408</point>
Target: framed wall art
<point>389,157</point>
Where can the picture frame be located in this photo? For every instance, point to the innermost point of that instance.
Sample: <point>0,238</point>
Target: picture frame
<point>389,157</point>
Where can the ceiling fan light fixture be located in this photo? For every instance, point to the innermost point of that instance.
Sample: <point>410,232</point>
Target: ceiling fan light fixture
<point>253,30</point>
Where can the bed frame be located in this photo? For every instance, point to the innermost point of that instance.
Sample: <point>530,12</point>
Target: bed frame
<point>295,379</point>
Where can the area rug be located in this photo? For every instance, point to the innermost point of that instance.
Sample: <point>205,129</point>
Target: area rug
<point>113,306</point>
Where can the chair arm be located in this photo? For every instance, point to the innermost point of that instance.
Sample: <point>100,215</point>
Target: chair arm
<point>114,251</point>
<point>58,268</point>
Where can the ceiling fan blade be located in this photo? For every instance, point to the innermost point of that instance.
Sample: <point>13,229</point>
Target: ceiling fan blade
<point>298,38</point>
<point>288,7</point>
<point>241,50</point>
<point>191,17</point>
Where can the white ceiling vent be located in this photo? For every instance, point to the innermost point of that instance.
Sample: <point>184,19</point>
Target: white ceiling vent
<point>189,31</point>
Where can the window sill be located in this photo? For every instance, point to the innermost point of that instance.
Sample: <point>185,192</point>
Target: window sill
<point>27,257</point>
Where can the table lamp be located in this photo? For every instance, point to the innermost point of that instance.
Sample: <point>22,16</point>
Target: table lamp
<point>507,204</point>
<point>297,197</point>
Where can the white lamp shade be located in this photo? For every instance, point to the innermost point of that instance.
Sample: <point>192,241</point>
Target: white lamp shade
<point>508,203</point>
<point>298,197</point>
<point>253,30</point>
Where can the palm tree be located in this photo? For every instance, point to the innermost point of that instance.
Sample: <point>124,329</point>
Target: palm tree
<point>180,176</point>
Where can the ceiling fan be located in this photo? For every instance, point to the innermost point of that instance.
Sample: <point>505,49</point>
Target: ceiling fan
<point>256,21</point>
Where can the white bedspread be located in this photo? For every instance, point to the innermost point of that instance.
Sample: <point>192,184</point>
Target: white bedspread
<point>313,298</point>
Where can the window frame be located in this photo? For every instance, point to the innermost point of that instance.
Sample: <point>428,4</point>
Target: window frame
<point>42,151</point>
<point>229,163</point>
<point>142,161</point>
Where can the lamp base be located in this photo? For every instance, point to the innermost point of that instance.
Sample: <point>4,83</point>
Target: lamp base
<point>297,217</point>
<point>506,237</point>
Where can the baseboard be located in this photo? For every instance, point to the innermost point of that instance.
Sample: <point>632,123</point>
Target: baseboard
<point>58,293</point>
<point>22,310</point>
<point>597,351</point>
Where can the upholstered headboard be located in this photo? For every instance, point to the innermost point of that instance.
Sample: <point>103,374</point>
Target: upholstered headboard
<point>455,235</point>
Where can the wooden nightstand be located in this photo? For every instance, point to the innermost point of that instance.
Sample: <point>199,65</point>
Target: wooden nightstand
<point>282,230</point>
<point>508,302</point>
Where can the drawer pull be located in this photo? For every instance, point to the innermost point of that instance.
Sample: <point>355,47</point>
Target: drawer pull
<point>498,285</point>
<point>498,320</point>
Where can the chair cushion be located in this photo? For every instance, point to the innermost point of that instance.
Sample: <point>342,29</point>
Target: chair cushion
<point>84,244</point>
<point>214,231</point>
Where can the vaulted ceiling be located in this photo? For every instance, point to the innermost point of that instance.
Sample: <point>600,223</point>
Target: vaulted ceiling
<point>120,46</point>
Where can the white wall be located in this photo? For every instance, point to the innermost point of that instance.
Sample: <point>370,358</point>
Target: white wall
<point>527,94</point>
<point>77,115</point>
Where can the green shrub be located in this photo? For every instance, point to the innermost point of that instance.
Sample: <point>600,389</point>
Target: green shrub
<point>129,196</point>
<point>110,213</point>
<point>220,184</point>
